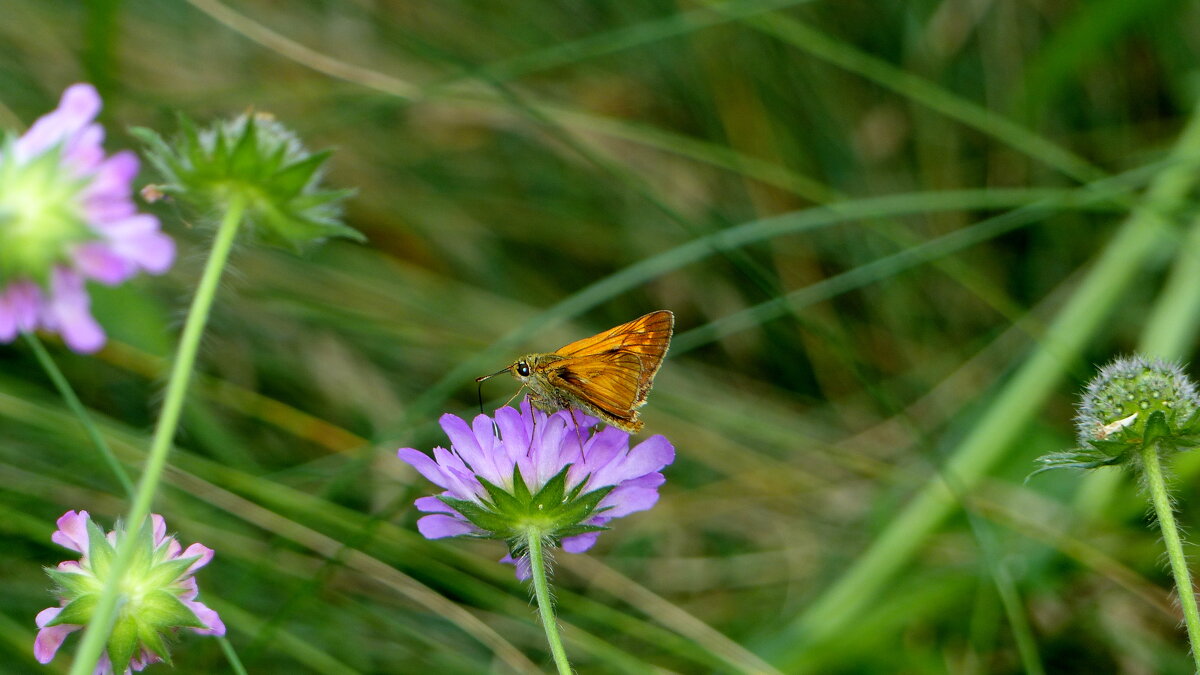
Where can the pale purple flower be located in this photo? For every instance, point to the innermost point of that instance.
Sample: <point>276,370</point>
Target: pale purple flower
<point>539,447</point>
<point>67,216</point>
<point>73,533</point>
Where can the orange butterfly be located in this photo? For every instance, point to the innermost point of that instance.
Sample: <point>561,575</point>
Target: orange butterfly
<point>607,375</point>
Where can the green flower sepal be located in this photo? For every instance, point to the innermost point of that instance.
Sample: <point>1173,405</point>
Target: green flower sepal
<point>258,159</point>
<point>553,511</point>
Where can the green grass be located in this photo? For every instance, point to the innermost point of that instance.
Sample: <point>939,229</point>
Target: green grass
<point>897,238</point>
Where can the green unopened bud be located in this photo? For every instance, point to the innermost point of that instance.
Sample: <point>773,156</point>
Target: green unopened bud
<point>1133,402</point>
<point>1119,403</point>
<point>264,164</point>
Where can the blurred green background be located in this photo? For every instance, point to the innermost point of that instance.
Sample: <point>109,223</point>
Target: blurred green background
<point>897,236</point>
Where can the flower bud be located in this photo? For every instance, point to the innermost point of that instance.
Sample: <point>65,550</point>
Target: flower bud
<point>1131,403</point>
<point>258,160</point>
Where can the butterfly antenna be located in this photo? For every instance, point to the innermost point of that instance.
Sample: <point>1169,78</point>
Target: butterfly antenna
<point>481,378</point>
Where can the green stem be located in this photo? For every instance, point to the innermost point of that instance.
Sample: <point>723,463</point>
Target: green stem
<point>1152,472</point>
<point>98,628</point>
<point>76,406</point>
<point>231,655</point>
<point>541,589</point>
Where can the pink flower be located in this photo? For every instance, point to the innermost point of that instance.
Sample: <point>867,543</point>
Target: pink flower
<point>162,599</point>
<point>67,216</point>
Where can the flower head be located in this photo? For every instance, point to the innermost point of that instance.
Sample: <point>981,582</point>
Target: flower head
<point>258,160</point>
<point>1133,401</point>
<point>158,593</point>
<point>66,216</point>
<point>553,474</point>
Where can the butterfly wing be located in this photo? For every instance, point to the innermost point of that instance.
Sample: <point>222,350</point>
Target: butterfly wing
<point>646,337</point>
<point>610,381</point>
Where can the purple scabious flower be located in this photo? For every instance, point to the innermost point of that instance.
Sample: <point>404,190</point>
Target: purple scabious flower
<point>67,216</point>
<point>158,593</point>
<point>554,475</point>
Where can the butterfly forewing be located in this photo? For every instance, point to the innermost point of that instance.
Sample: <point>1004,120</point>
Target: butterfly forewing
<point>610,380</point>
<point>646,336</point>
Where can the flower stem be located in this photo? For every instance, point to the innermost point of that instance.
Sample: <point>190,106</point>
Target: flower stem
<point>1152,471</point>
<point>76,406</point>
<point>231,655</point>
<point>100,626</point>
<point>541,589</point>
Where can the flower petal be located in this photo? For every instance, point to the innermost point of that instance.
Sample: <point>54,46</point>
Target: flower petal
<point>464,443</point>
<point>72,531</point>
<point>208,617</point>
<point>79,105</point>
<point>522,564</point>
<point>205,553</point>
<point>439,525</point>
<point>580,542</point>
<point>69,312</point>
<point>626,499</point>
<point>646,457</point>
<point>48,640</point>
<point>97,260</point>
<point>431,505</point>
<point>424,465</point>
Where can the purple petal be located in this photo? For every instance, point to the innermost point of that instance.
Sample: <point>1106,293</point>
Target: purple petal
<point>8,321</point>
<point>69,312</point>
<point>580,542</point>
<point>190,589</point>
<point>646,457</point>
<point>108,196</point>
<point>424,465</point>
<point>72,531</point>
<point>20,305</point>
<point>460,479</point>
<point>549,453</point>
<point>48,640</point>
<point>46,616</point>
<point>154,252</point>
<point>207,617</point>
<point>439,525</point>
<point>83,152</point>
<point>463,441</point>
<point>522,566</point>
<point>159,525</point>
<point>515,431</point>
<point>489,467</point>
<point>627,499</point>
<point>432,504</point>
<point>79,105</point>
<point>205,553</point>
<point>97,260</point>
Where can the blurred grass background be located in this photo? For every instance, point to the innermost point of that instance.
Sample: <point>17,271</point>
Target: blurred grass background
<point>897,238</point>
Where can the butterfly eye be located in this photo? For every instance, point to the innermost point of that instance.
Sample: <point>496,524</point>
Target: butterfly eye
<point>523,369</point>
